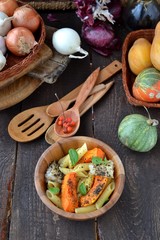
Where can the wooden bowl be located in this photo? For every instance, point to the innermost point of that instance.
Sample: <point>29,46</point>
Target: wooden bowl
<point>16,66</point>
<point>57,151</point>
<point>127,76</point>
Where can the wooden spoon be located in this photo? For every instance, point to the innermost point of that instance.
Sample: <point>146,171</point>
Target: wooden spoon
<point>73,113</point>
<point>56,108</point>
<point>50,135</point>
<point>32,123</point>
<point>105,74</point>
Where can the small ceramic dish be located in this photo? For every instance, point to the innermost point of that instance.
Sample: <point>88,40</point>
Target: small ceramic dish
<point>127,76</point>
<point>60,149</point>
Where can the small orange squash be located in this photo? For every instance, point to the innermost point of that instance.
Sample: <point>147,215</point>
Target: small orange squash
<point>155,48</point>
<point>139,55</point>
<point>147,85</point>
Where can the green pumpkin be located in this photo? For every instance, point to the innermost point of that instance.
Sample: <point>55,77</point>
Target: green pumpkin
<point>138,132</point>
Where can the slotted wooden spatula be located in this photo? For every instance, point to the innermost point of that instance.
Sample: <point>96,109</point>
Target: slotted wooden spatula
<point>33,122</point>
<point>30,124</point>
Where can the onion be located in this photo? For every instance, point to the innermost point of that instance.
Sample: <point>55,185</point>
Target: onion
<point>8,6</point>
<point>26,17</point>
<point>100,37</point>
<point>20,41</point>
<point>67,41</point>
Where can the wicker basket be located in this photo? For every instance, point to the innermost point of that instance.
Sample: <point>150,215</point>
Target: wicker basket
<point>15,66</point>
<point>127,76</point>
<point>51,4</point>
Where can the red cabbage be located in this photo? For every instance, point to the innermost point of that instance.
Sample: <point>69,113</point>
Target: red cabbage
<point>100,37</point>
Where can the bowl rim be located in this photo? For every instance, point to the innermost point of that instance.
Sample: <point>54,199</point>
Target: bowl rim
<point>84,216</point>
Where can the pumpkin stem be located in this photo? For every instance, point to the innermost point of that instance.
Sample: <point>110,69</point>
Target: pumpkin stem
<point>150,121</point>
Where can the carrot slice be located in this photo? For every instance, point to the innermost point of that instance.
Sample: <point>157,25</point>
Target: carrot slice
<point>99,185</point>
<point>95,152</point>
<point>69,196</point>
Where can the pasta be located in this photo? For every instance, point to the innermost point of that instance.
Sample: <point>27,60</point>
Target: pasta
<point>65,161</point>
<point>82,174</point>
<point>105,195</point>
<point>84,179</point>
<point>65,170</point>
<point>87,209</point>
<point>79,173</point>
<point>53,184</point>
<point>81,151</point>
<point>81,167</point>
<point>54,198</point>
<point>88,181</point>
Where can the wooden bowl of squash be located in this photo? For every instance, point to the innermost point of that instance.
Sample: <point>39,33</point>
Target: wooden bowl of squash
<point>128,77</point>
<point>79,178</point>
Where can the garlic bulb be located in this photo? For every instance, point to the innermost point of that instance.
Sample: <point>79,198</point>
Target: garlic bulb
<point>5,24</point>
<point>3,47</point>
<point>2,60</point>
<point>67,41</point>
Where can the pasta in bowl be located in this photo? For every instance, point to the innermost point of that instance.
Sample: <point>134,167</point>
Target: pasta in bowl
<point>79,178</point>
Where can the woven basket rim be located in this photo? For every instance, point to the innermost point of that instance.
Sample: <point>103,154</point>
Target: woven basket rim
<point>53,5</point>
<point>130,38</point>
<point>8,75</point>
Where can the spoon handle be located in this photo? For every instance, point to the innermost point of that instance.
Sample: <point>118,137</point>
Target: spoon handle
<point>86,88</point>
<point>56,108</point>
<point>50,135</point>
<point>105,74</point>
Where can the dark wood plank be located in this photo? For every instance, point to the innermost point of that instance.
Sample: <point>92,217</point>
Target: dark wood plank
<point>135,216</point>
<point>28,212</point>
<point>8,149</point>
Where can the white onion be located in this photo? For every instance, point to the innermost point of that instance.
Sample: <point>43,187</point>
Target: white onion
<point>67,41</point>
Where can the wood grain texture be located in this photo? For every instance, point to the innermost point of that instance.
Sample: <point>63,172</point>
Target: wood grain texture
<point>50,135</point>
<point>73,112</point>
<point>134,217</point>
<point>29,124</point>
<point>47,67</point>
<point>17,91</point>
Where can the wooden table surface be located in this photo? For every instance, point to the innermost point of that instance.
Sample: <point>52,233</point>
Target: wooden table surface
<point>136,216</point>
